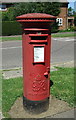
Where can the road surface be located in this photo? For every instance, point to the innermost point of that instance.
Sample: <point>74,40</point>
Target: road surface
<point>62,50</point>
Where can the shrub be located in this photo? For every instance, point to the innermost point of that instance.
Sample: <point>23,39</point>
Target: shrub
<point>4,16</point>
<point>54,27</point>
<point>8,15</point>
<point>71,29</point>
<point>14,28</point>
<point>75,19</point>
<point>11,28</point>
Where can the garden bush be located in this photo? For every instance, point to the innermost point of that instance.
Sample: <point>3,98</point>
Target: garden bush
<point>14,28</point>
<point>11,28</point>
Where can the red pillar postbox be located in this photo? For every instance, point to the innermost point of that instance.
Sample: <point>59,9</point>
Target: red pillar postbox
<point>36,42</point>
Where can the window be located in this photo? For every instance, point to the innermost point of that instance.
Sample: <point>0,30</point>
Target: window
<point>60,21</point>
<point>3,7</point>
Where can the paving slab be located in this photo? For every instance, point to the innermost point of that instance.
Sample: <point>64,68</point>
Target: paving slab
<point>18,72</point>
<point>7,74</point>
<point>67,114</point>
<point>55,106</point>
<point>65,64</point>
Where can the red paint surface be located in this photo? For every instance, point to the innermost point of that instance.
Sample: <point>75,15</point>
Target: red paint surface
<point>36,75</point>
<point>36,15</point>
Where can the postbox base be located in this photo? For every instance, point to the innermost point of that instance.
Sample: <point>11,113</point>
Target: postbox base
<point>36,107</point>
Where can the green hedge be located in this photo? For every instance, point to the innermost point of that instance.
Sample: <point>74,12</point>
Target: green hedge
<point>14,28</point>
<point>11,28</point>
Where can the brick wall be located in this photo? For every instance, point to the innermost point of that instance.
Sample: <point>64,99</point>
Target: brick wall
<point>64,15</point>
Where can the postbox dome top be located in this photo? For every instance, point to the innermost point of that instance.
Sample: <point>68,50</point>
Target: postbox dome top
<point>36,15</point>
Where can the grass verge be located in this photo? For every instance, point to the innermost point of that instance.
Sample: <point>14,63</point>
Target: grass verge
<point>63,88</point>
<point>11,90</point>
<point>10,38</point>
<point>64,35</point>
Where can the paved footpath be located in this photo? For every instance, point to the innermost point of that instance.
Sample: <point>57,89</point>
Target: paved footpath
<point>57,109</point>
<point>17,72</point>
<point>67,114</point>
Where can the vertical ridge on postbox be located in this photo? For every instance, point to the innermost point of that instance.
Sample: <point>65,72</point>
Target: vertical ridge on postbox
<point>36,43</point>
